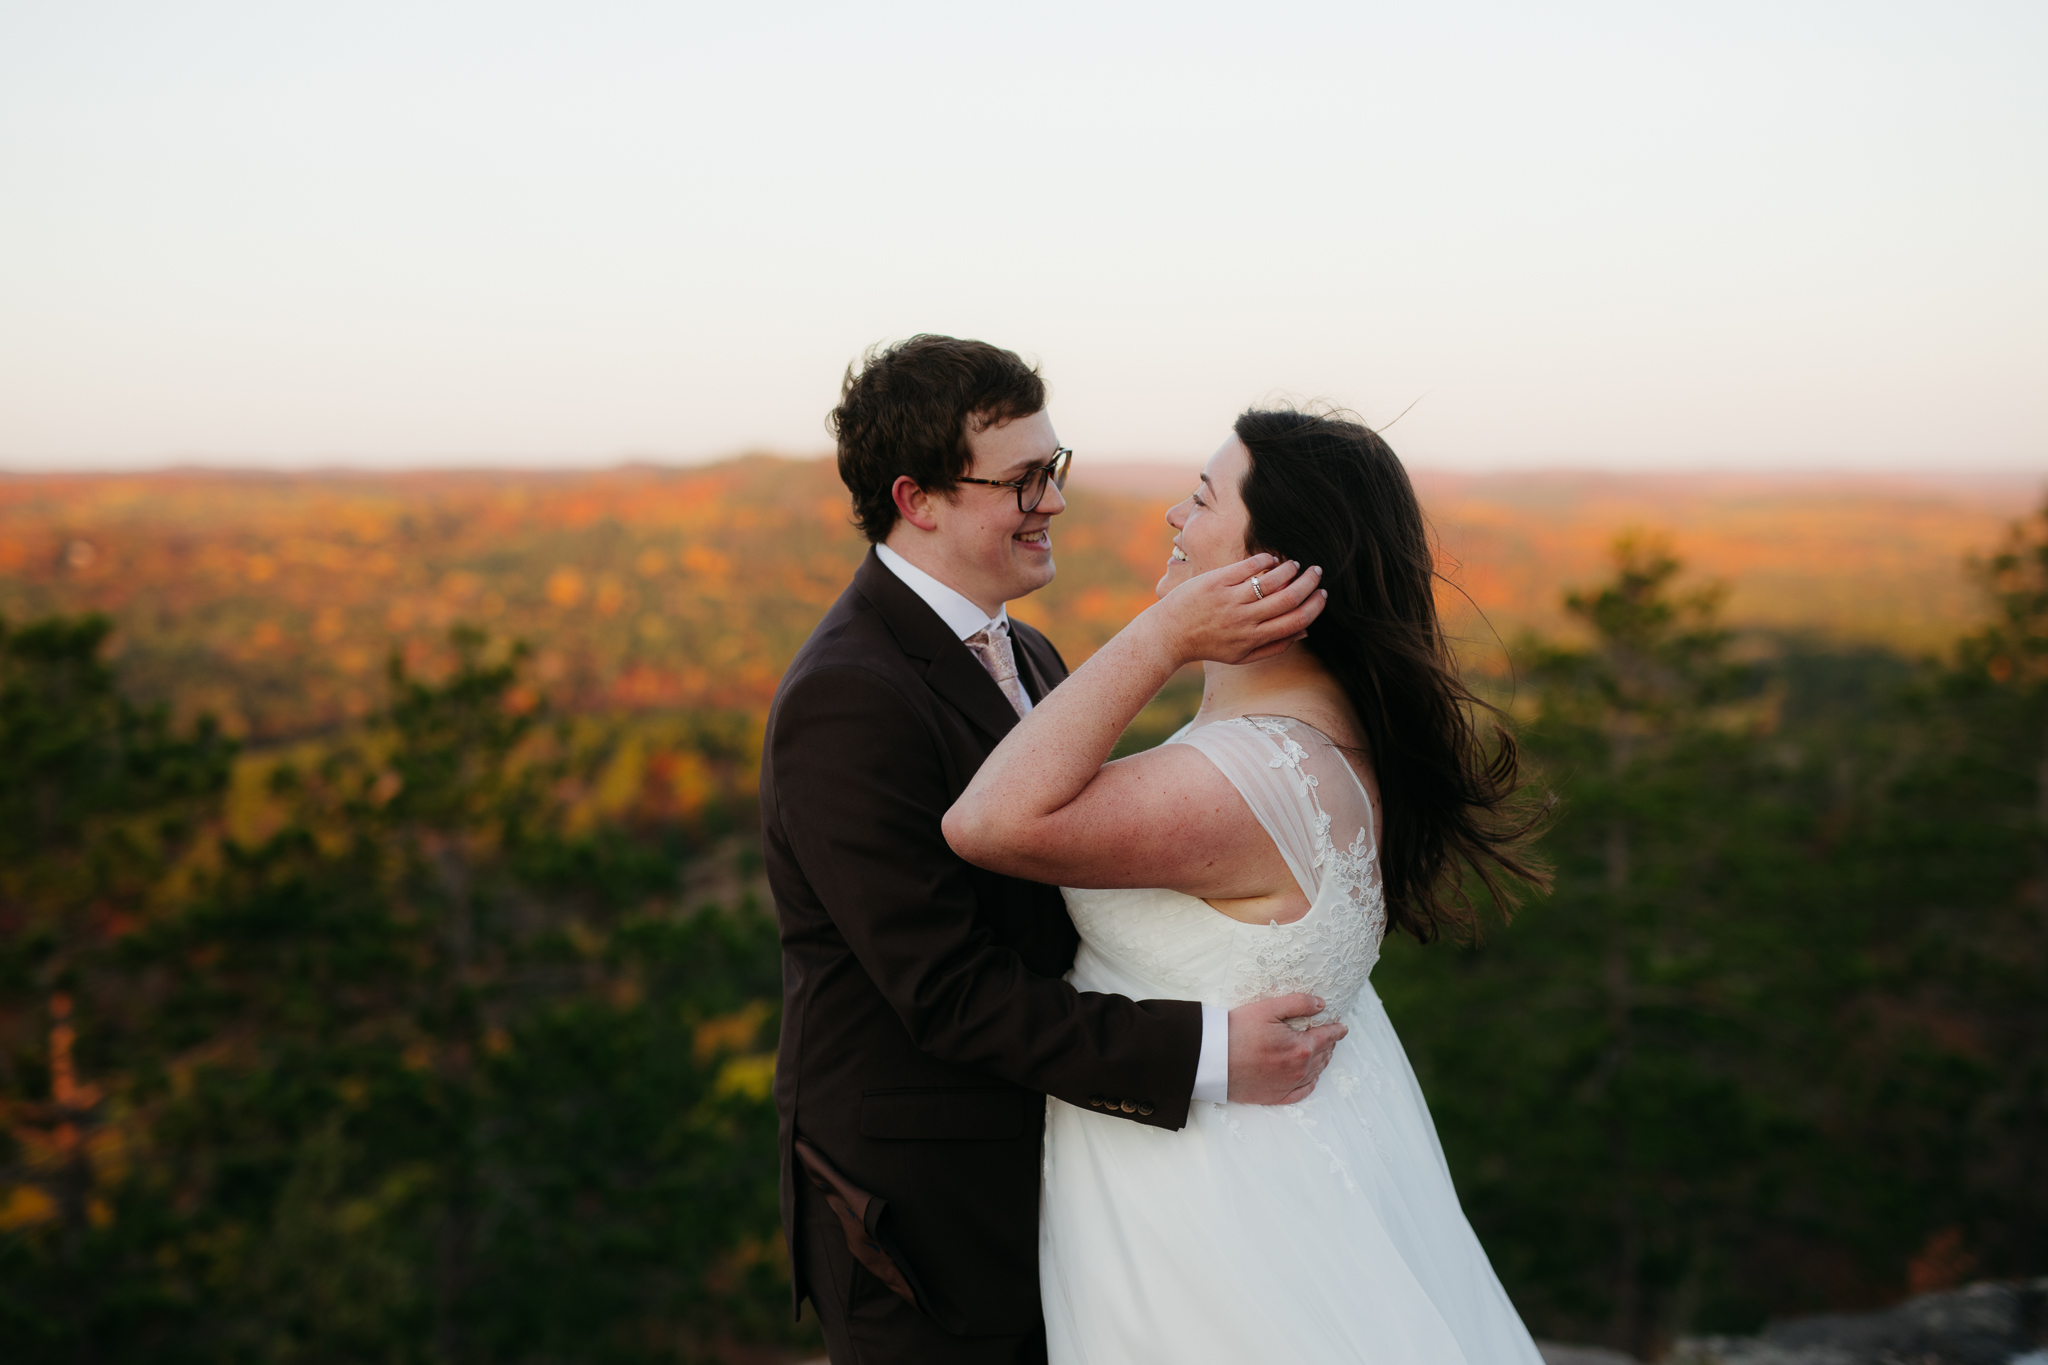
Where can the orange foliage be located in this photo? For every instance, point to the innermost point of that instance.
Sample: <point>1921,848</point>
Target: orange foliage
<point>1943,1263</point>
<point>273,600</point>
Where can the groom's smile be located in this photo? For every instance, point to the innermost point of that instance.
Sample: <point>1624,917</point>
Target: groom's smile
<point>1010,452</point>
<point>975,538</point>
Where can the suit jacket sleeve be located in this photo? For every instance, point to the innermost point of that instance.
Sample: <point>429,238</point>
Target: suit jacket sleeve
<point>860,785</point>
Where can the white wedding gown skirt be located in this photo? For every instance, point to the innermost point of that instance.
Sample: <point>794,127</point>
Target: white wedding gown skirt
<point>1326,1230</point>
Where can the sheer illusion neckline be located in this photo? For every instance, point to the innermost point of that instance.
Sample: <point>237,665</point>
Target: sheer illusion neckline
<point>1371,811</point>
<point>1279,729</point>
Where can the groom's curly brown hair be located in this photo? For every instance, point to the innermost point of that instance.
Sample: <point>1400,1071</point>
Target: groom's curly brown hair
<point>908,409</point>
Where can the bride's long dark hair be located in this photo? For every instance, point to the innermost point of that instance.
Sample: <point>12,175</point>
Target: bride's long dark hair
<point>1324,489</point>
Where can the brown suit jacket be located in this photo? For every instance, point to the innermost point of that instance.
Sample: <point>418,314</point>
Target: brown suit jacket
<point>924,1017</point>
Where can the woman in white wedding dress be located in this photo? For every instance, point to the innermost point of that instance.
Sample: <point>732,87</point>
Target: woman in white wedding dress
<point>1332,784</point>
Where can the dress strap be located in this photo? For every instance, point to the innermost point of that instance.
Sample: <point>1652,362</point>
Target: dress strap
<point>1283,782</point>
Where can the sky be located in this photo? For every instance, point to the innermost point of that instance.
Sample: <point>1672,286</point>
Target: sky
<point>1629,235</point>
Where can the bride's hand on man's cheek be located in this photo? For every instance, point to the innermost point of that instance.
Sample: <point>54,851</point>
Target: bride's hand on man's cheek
<point>1244,612</point>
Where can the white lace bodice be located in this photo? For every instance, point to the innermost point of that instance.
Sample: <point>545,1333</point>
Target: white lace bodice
<point>1325,1229</point>
<point>1155,943</point>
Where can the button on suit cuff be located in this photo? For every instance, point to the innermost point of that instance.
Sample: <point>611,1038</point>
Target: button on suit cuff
<point>1212,1070</point>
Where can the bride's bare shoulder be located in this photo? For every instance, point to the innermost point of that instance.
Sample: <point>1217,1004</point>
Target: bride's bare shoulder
<point>1179,759</point>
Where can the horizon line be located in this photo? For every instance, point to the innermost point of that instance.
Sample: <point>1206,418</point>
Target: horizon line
<point>346,466</point>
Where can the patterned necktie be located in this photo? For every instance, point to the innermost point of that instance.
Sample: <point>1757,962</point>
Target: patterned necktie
<point>991,645</point>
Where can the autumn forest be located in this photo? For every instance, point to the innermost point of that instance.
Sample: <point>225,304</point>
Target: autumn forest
<point>386,973</point>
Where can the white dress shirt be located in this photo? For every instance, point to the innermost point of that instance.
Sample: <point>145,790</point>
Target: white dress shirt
<point>963,618</point>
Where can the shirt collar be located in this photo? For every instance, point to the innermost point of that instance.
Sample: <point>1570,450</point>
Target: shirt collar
<point>961,616</point>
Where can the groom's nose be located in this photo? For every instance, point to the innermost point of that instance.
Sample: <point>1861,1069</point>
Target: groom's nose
<point>1053,503</point>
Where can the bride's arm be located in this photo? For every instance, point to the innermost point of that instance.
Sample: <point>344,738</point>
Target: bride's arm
<point>1045,806</point>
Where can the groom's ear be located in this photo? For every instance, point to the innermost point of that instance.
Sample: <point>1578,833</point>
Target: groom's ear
<point>913,503</point>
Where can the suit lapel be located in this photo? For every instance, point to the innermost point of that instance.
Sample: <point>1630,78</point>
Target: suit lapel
<point>959,677</point>
<point>951,669</point>
<point>1037,672</point>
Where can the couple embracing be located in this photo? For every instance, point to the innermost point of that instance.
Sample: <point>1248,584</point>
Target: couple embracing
<point>1080,1059</point>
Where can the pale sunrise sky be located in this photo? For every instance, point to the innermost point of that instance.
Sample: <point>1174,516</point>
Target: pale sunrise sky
<point>1626,235</point>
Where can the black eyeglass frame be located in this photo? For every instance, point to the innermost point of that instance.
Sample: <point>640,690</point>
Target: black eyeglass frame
<point>1051,474</point>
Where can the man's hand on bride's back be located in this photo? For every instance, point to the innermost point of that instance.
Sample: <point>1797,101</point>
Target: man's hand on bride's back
<point>1242,613</point>
<point>1272,1062</point>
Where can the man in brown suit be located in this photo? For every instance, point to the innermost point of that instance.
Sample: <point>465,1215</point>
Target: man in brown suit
<point>924,1014</point>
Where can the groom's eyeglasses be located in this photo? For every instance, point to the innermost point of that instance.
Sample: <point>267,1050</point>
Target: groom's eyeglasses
<point>1031,488</point>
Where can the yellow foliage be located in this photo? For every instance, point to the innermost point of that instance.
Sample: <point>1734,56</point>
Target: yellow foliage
<point>692,781</point>
<point>26,1206</point>
<point>753,1077</point>
<point>583,938</point>
<point>618,785</point>
<point>733,1032</point>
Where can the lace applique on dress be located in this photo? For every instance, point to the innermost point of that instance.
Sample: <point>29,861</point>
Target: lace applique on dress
<point>1297,1114</point>
<point>1234,1127</point>
<point>1332,950</point>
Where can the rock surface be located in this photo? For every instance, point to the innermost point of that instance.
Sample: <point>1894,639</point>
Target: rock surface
<point>1983,1324</point>
<point>1557,1353</point>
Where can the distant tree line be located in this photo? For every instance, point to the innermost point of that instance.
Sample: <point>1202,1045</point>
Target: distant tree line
<point>437,1071</point>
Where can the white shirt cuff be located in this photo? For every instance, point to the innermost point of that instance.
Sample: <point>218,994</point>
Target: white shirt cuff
<point>1212,1071</point>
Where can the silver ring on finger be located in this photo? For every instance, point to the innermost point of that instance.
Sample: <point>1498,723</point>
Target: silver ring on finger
<point>1258,593</point>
